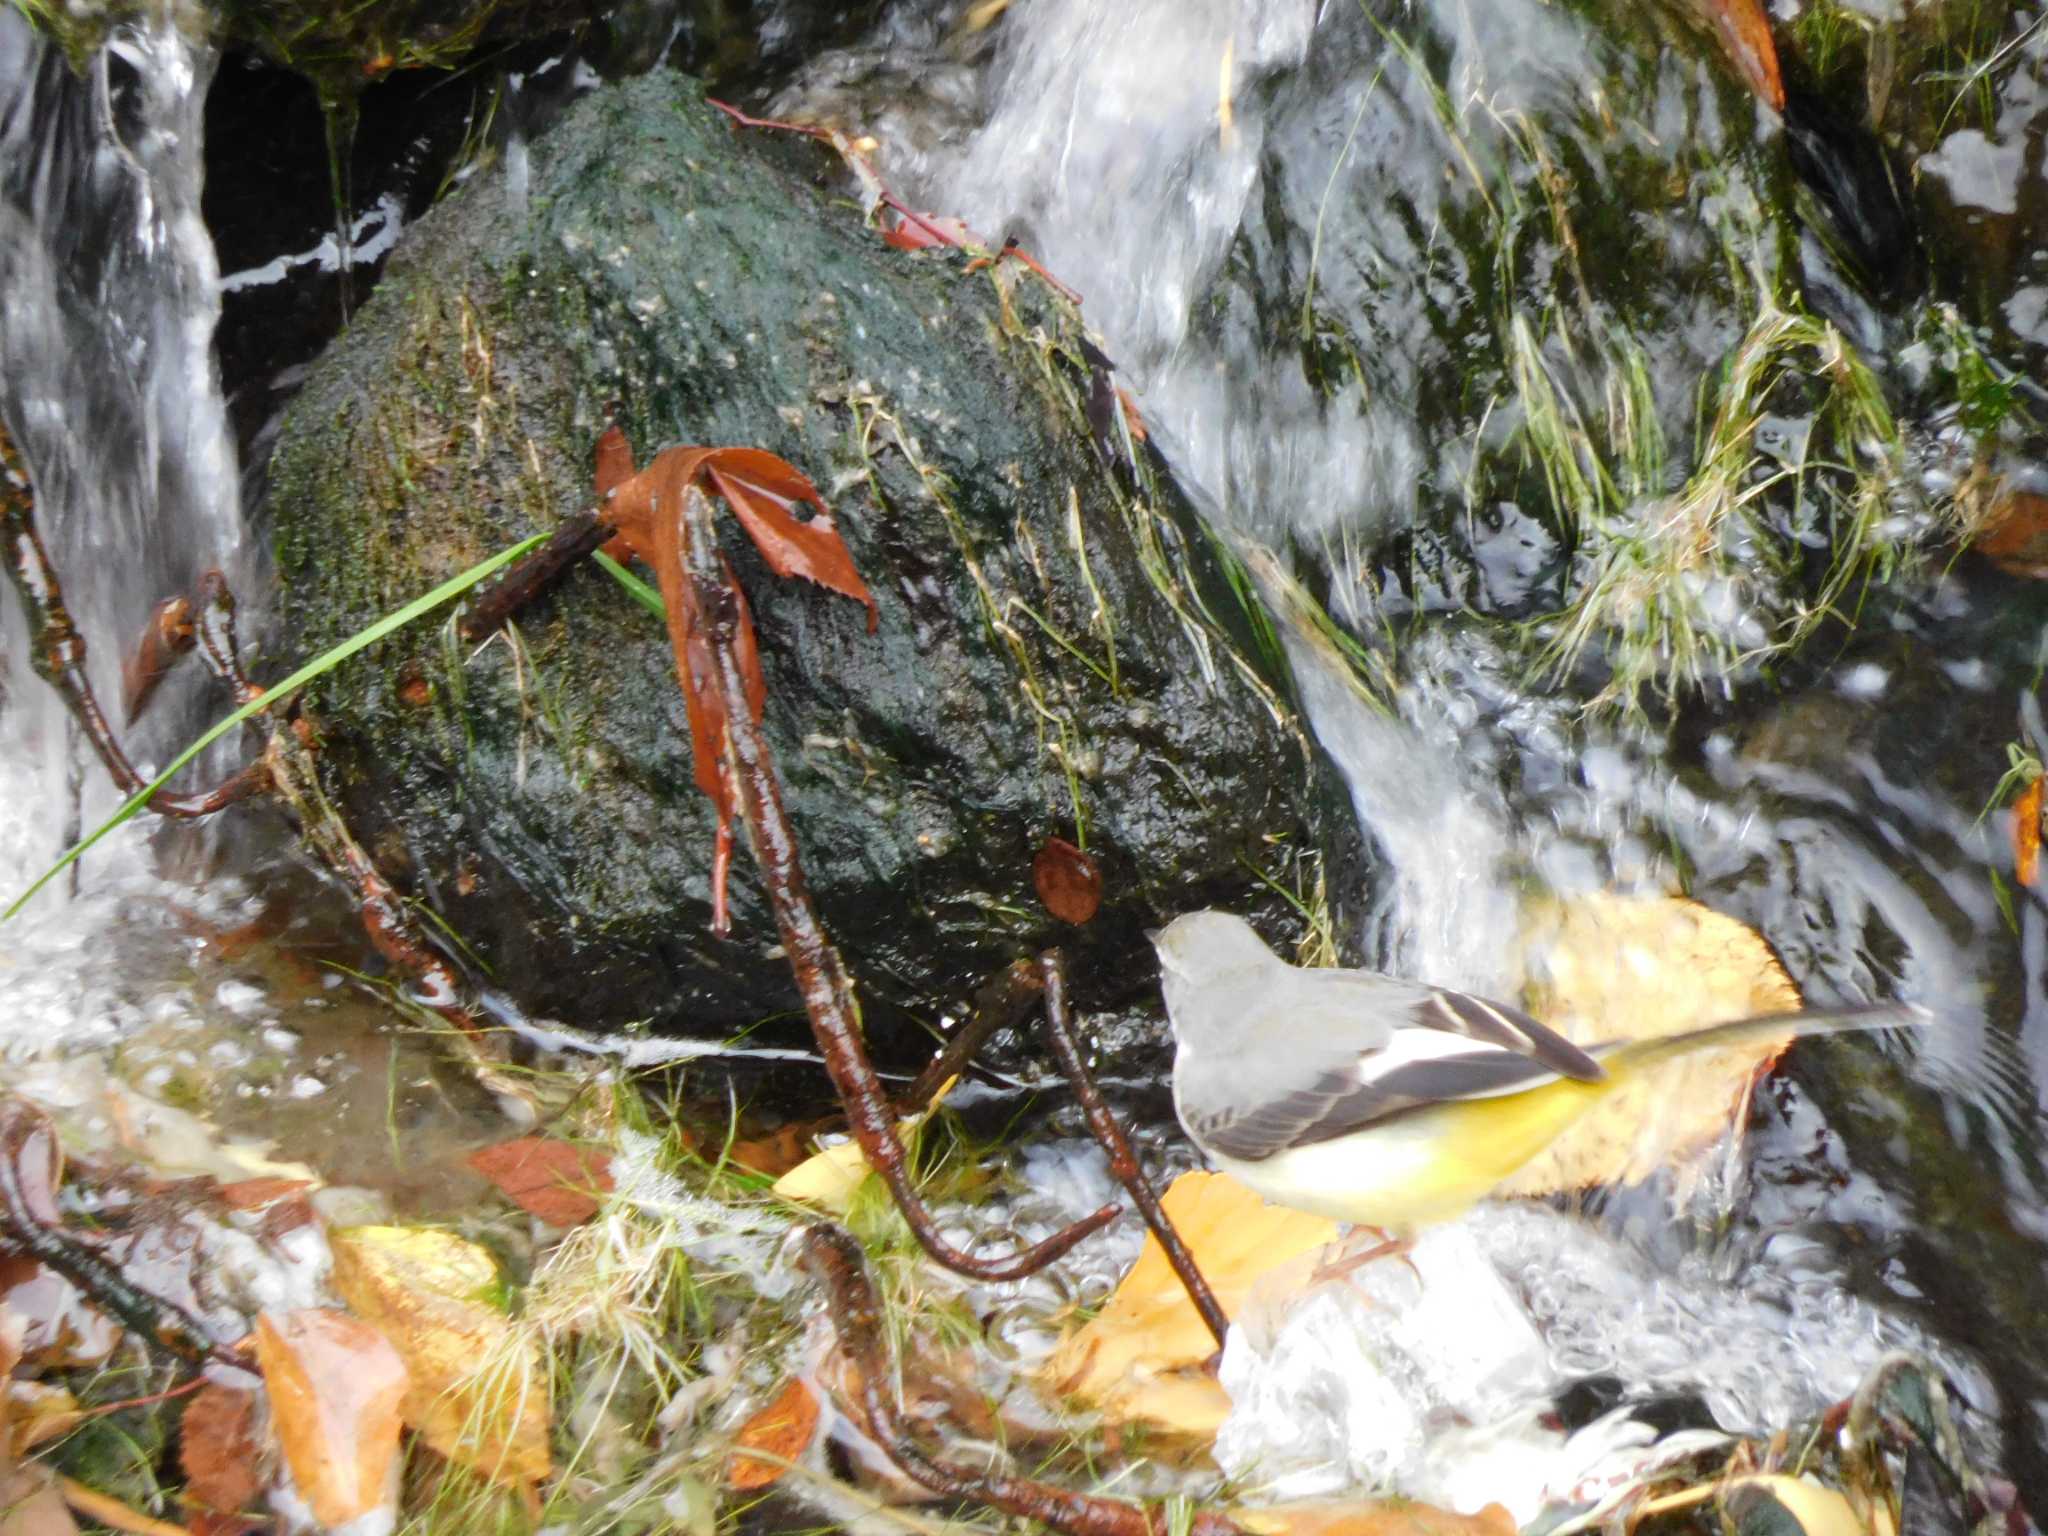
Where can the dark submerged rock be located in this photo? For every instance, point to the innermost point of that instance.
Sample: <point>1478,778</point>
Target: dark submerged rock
<point>1052,630</point>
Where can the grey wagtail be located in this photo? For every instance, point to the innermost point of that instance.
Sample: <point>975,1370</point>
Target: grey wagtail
<point>1365,1098</point>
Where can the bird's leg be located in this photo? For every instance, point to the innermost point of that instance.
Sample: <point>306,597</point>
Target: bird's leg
<point>1388,1245</point>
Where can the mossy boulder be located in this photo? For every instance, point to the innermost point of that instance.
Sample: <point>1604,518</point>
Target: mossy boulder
<point>1059,650</point>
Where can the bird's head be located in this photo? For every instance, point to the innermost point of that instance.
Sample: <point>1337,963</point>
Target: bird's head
<point>1200,948</point>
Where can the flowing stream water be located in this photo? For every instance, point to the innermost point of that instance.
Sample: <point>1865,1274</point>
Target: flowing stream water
<point>1278,216</point>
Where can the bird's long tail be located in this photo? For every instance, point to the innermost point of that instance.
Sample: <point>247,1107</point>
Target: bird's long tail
<point>1624,1057</point>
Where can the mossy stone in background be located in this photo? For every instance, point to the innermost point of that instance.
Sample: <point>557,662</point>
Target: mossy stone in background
<point>1053,641</point>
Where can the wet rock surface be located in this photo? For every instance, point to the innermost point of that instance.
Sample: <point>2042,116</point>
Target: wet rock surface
<point>1053,638</point>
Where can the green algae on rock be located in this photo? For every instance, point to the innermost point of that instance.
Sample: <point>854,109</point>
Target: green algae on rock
<point>1054,649</point>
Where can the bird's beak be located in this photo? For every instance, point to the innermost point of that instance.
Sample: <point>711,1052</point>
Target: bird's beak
<point>1152,935</point>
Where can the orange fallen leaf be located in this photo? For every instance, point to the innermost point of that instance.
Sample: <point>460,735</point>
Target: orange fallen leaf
<point>553,1180</point>
<point>1136,1357</point>
<point>1745,31</point>
<point>479,1391</point>
<point>1068,881</point>
<point>1373,1517</point>
<point>335,1387</point>
<point>782,1148</point>
<point>2013,532</point>
<point>218,1449</point>
<point>783,1430</point>
<point>2026,834</point>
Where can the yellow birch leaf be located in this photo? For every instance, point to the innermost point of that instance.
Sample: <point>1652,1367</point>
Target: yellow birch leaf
<point>335,1386</point>
<point>479,1392</point>
<point>830,1179</point>
<point>1127,1357</point>
<point>1612,967</point>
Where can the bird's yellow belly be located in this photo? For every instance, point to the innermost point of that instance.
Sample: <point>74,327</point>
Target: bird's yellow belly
<point>1422,1167</point>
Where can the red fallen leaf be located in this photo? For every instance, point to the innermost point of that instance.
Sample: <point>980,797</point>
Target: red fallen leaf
<point>1746,33</point>
<point>649,512</point>
<point>763,491</point>
<point>783,1430</point>
<point>166,636</point>
<point>1068,881</point>
<point>2026,834</point>
<point>550,1179</point>
<point>218,1448</point>
<point>920,231</point>
<point>254,1194</point>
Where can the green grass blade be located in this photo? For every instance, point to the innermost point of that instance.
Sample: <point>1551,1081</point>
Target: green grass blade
<point>325,662</point>
<point>642,593</point>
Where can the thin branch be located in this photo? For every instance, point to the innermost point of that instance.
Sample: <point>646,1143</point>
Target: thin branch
<point>1123,1159</point>
<point>57,649</point>
<point>25,1133</point>
<point>1003,1002</point>
<point>836,1259</point>
<point>820,974</point>
<point>574,540</point>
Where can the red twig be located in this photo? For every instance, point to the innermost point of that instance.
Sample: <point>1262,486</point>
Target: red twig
<point>57,649</point>
<point>1123,1159</point>
<point>577,536</point>
<point>836,1259</point>
<point>931,226</point>
<point>820,974</point>
<point>1003,1002</point>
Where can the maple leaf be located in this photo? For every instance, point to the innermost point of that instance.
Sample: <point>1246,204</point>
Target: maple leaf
<point>645,510</point>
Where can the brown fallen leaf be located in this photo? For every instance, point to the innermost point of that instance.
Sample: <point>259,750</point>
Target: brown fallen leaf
<point>1068,881</point>
<point>1373,1517</point>
<point>1607,967</point>
<point>2026,834</point>
<point>166,635</point>
<point>1745,31</point>
<point>783,1430</point>
<point>478,1389</point>
<point>335,1388</point>
<point>219,1450</point>
<point>553,1180</point>
<point>1136,1357</point>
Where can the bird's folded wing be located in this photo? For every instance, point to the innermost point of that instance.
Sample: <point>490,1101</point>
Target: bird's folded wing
<point>1323,1073</point>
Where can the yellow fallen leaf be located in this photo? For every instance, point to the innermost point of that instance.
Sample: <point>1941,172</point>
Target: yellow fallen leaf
<point>1372,1517</point>
<point>1813,1507</point>
<point>1608,967</point>
<point>830,1178</point>
<point>1126,1358</point>
<point>479,1391</point>
<point>335,1386</point>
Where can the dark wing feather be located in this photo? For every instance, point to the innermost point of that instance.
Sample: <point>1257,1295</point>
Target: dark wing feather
<point>1337,1103</point>
<point>1497,1024</point>
<point>1250,1109</point>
